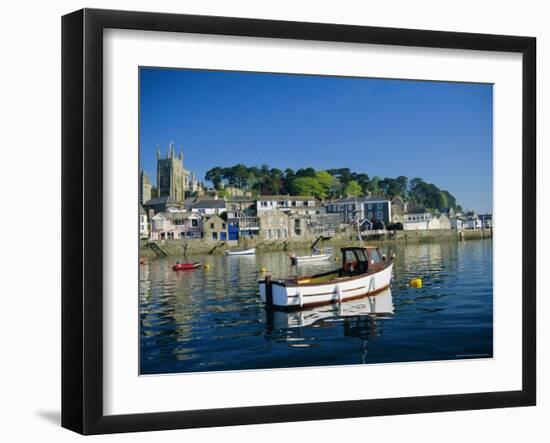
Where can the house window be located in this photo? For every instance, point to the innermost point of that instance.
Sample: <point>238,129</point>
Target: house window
<point>370,205</point>
<point>214,235</point>
<point>223,225</point>
<point>369,214</point>
<point>182,234</point>
<point>211,225</point>
<point>194,222</point>
<point>379,215</point>
<point>264,204</point>
<point>379,205</point>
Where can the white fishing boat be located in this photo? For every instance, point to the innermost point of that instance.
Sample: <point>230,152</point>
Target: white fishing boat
<point>243,252</point>
<point>365,271</point>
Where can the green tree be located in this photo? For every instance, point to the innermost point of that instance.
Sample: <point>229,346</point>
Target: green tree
<point>329,183</point>
<point>353,189</point>
<point>215,175</point>
<point>307,186</point>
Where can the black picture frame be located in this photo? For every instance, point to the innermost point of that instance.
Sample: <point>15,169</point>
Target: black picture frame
<point>82,215</point>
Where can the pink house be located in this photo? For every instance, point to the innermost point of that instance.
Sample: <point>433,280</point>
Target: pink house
<point>176,225</point>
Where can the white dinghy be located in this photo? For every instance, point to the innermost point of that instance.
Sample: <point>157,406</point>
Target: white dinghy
<point>319,255</point>
<point>365,271</point>
<point>243,252</point>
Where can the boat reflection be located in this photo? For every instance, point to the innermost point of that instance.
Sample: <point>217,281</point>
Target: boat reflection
<point>374,306</point>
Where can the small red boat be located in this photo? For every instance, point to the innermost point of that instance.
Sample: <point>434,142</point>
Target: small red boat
<point>186,266</point>
<point>142,261</point>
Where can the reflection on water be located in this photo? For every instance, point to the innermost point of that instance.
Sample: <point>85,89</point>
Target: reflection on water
<point>213,319</point>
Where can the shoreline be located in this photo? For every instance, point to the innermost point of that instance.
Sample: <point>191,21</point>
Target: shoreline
<point>182,247</point>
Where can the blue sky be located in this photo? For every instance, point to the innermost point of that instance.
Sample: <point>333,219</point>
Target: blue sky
<point>439,131</point>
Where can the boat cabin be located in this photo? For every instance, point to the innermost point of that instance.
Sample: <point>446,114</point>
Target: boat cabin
<point>359,260</point>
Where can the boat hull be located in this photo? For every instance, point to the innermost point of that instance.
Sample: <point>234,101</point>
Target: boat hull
<point>186,266</point>
<point>247,252</point>
<point>297,296</point>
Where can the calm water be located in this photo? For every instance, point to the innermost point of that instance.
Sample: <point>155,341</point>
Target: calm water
<point>212,319</point>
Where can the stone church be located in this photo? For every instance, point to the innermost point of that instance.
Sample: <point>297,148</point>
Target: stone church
<point>174,183</point>
<point>172,177</point>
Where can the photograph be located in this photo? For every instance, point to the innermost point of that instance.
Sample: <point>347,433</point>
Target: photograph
<point>291,221</point>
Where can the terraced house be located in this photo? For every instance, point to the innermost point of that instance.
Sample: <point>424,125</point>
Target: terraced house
<point>305,205</point>
<point>352,209</point>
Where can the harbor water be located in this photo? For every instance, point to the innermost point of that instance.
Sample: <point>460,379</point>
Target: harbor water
<point>212,319</point>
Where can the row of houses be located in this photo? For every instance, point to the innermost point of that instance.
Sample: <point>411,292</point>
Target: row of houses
<point>283,216</point>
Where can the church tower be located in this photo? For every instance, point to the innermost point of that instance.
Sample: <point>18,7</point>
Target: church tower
<point>172,177</point>
<point>144,188</point>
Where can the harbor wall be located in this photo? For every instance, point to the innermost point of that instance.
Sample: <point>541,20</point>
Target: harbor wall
<point>183,247</point>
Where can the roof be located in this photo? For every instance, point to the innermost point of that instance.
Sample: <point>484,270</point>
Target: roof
<point>203,204</point>
<point>240,199</point>
<point>286,197</point>
<point>417,210</point>
<point>180,215</point>
<point>374,198</point>
<point>160,201</point>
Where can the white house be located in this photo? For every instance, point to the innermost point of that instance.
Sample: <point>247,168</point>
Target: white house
<point>422,219</point>
<point>209,207</point>
<point>143,223</point>
<point>304,205</point>
<point>472,222</point>
<point>457,222</point>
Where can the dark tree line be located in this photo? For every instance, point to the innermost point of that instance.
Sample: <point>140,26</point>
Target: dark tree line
<point>331,183</point>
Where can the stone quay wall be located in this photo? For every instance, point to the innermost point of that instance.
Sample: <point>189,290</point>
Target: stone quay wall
<point>184,247</point>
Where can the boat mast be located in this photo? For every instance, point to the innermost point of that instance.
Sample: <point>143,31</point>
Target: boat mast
<point>358,226</point>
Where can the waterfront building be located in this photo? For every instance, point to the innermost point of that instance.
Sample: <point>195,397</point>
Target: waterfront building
<point>419,218</point>
<point>273,224</point>
<point>143,223</point>
<point>176,225</point>
<point>457,222</point>
<point>172,177</point>
<point>209,207</point>
<point>241,212</point>
<point>324,224</point>
<point>356,209</point>
<point>297,226</point>
<point>300,204</point>
<point>145,188</point>
<point>377,209</point>
<point>398,209</point>
<point>472,222</point>
<point>486,221</point>
<point>215,228</point>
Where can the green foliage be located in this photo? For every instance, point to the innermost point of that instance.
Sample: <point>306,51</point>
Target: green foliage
<point>307,186</point>
<point>353,189</point>
<point>331,183</point>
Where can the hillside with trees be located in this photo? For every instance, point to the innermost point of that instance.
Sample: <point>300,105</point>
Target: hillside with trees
<point>331,183</point>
